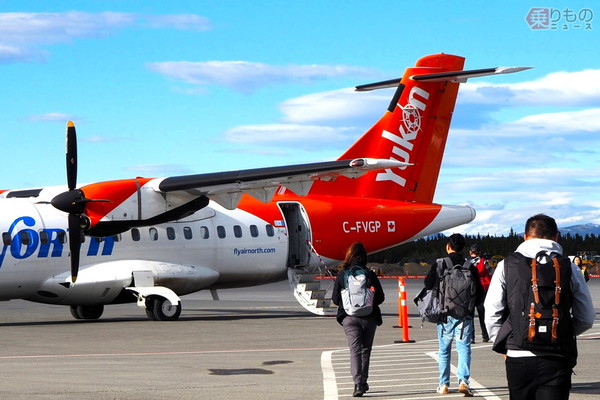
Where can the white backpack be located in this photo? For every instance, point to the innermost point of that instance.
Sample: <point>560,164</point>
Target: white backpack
<point>357,293</point>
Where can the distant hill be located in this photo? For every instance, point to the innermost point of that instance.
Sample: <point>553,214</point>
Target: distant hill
<point>586,229</point>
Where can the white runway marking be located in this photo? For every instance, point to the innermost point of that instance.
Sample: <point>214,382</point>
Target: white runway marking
<point>398,371</point>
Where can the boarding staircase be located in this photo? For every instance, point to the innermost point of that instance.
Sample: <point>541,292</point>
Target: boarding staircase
<point>312,285</point>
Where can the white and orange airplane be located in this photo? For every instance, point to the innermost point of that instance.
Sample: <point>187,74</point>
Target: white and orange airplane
<point>151,240</point>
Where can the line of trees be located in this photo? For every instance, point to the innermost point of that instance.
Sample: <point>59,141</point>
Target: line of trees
<point>428,249</point>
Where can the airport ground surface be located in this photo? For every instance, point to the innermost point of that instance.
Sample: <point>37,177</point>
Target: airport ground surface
<point>254,343</point>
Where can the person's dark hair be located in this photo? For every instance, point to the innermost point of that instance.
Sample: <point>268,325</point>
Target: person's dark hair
<point>456,242</point>
<point>541,226</point>
<point>356,255</point>
<point>475,248</point>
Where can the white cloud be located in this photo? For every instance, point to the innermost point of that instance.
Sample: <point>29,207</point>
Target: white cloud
<point>561,89</point>
<point>21,33</point>
<point>191,22</point>
<point>52,117</point>
<point>339,105</point>
<point>541,125</point>
<point>289,135</point>
<point>159,170</point>
<point>246,77</point>
<point>44,28</point>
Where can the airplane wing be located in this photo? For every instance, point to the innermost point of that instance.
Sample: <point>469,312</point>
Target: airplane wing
<point>226,188</point>
<point>115,206</point>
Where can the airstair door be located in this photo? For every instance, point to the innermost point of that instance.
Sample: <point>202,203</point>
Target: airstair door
<point>299,234</point>
<point>304,275</point>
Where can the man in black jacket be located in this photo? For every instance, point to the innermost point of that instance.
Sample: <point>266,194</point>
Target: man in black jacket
<point>533,372</point>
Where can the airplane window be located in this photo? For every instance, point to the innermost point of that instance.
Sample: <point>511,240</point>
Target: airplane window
<point>62,237</point>
<point>44,237</point>
<point>204,232</point>
<point>270,230</point>
<point>135,234</point>
<point>6,238</point>
<point>153,234</point>
<point>117,237</point>
<point>25,238</point>
<point>187,232</point>
<point>237,231</point>
<point>253,230</point>
<point>170,233</point>
<point>221,232</point>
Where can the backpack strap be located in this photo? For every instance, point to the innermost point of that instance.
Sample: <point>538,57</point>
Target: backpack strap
<point>441,268</point>
<point>557,289</point>
<point>534,281</point>
<point>467,264</point>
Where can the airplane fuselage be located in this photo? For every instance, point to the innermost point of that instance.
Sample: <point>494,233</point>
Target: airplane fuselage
<point>214,247</point>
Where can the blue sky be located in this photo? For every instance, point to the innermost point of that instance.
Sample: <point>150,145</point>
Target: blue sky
<point>162,88</point>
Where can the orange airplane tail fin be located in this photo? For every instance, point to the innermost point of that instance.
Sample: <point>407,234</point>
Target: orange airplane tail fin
<point>413,130</point>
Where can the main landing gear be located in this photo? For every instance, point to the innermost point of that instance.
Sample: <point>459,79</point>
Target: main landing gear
<point>87,312</point>
<point>161,309</point>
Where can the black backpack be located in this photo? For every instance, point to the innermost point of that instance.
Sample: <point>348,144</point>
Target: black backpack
<point>539,298</point>
<point>457,288</point>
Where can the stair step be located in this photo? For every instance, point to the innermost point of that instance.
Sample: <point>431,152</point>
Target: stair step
<point>310,292</point>
<point>315,285</point>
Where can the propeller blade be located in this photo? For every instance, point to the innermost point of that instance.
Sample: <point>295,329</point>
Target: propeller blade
<point>71,156</point>
<point>74,244</point>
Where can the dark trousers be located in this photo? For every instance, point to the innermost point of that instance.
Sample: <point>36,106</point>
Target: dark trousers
<point>481,315</point>
<point>360,332</point>
<point>538,378</point>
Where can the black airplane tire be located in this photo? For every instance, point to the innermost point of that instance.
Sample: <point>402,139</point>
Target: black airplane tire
<point>87,312</point>
<point>161,309</point>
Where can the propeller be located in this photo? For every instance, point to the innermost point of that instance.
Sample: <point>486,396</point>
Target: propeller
<point>73,202</point>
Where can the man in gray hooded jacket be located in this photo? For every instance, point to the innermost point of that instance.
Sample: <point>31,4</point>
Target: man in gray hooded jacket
<point>531,374</point>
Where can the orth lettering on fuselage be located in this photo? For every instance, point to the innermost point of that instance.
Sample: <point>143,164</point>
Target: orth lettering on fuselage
<point>21,242</point>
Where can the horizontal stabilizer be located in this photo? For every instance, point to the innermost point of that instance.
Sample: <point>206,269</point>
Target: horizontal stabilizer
<point>453,76</point>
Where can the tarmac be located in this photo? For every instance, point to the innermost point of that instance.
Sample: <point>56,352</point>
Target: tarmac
<point>253,343</point>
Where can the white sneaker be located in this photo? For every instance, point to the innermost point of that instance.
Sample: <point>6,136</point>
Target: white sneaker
<point>465,389</point>
<point>443,389</point>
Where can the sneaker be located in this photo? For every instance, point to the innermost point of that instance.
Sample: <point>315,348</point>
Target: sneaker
<point>358,391</point>
<point>443,389</point>
<point>465,389</point>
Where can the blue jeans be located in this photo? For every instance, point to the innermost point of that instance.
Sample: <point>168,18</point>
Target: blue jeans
<point>462,331</point>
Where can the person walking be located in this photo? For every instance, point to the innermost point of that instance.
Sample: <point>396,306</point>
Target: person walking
<point>579,262</point>
<point>359,330</point>
<point>483,270</point>
<point>539,355</point>
<point>455,326</point>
